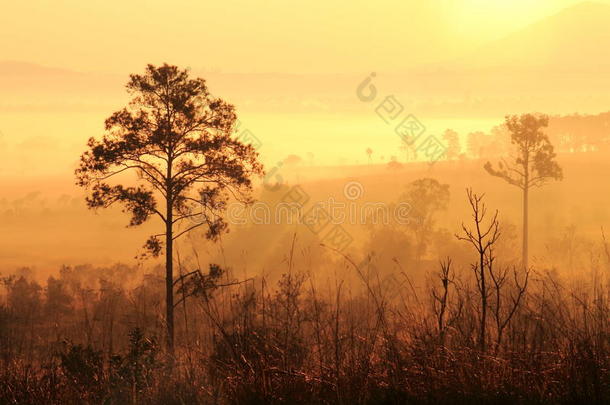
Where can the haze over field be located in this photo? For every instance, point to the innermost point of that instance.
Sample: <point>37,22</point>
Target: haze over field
<point>305,202</point>
<point>550,58</point>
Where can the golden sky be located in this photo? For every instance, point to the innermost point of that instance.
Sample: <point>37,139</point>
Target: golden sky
<point>43,110</point>
<point>257,36</point>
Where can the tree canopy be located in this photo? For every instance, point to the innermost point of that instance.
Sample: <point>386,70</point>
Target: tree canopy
<point>177,138</point>
<point>532,162</point>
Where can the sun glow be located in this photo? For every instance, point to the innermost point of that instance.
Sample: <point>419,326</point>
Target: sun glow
<point>481,20</point>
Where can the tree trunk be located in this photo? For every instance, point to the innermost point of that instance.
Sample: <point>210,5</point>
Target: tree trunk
<point>525,227</point>
<point>482,336</point>
<point>169,277</point>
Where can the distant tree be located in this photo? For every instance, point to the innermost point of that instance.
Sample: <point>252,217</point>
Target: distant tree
<point>394,165</point>
<point>580,133</point>
<point>24,297</point>
<point>293,160</point>
<point>531,164</point>
<point>427,197</point>
<point>58,300</point>
<point>310,157</point>
<point>369,153</point>
<point>409,151</point>
<point>404,148</point>
<point>476,144</point>
<point>177,138</point>
<point>452,140</point>
<point>500,142</point>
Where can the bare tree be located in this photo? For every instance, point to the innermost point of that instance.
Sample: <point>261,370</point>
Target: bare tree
<point>177,138</point>
<point>532,163</point>
<point>441,299</point>
<point>482,238</point>
<point>504,311</point>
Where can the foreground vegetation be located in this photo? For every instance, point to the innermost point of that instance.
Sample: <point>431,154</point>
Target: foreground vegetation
<point>88,338</point>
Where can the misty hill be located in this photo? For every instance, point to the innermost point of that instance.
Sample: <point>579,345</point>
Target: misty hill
<point>574,40</point>
<point>556,65</point>
<point>570,46</point>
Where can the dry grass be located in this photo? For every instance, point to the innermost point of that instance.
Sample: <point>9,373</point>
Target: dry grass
<point>301,342</point>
